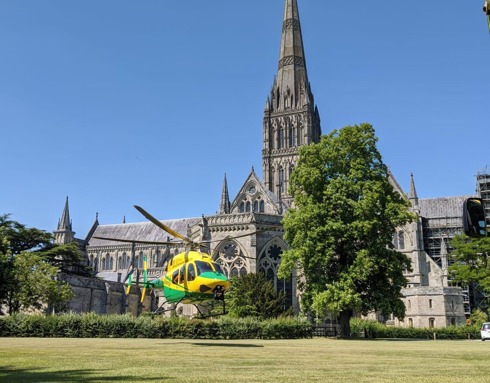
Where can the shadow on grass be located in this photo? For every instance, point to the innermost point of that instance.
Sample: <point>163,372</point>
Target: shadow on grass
<point>11,375</point>
<point>227,345</point>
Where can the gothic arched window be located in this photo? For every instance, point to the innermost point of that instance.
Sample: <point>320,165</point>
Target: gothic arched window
<point>108,262</point>
<point>280,138</point>
<point>401,240</point>
<point>268,264</point>
<point>231,258</point>
<point>292,136</point>
<point>281,180</point>
<point>262,207</point>
<point>395,240</point>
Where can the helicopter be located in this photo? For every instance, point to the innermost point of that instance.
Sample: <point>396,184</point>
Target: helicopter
<point>191,277</point>
<point>486,9</point>
<point>474,220</point>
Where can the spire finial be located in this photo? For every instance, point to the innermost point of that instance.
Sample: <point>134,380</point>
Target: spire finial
<point>65,223</point>
<point>414,199</point>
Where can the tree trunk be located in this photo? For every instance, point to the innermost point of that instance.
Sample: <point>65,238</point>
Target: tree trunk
<point>345,323</point>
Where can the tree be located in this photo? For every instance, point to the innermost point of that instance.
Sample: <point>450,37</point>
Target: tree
<point>252,295</point>
<point>38,285</point>
<point>341,227</point>
<point>6,279</point>
<point>17,242</point>
<point>470,263</point>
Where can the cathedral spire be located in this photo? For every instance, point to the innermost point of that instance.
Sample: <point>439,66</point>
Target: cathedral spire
<point>291,118</point>
<point>292,79</point>
<point>224,206</point>
<point>64,222</point>
<point>64,233</point>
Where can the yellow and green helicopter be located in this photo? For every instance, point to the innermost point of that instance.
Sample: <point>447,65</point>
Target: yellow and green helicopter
<point>190,277</point>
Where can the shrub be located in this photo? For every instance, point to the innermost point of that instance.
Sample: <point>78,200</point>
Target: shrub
<point>125,326</point>
<point>372,329</point>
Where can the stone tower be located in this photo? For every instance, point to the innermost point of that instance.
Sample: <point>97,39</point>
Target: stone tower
<point>64,233</point>
<point>291,117</point>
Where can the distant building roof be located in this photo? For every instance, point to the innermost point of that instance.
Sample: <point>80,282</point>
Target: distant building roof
<point>442,207</point>
<point>141,231</point>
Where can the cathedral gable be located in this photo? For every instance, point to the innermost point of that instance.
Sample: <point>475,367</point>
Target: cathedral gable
<point>254,197</point>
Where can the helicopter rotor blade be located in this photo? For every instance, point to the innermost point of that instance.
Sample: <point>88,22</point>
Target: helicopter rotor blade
<point>240,236</point>
<point>161,225</point>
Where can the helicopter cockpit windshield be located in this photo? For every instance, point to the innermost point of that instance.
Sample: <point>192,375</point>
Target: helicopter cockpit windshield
<point>218,268</point>
<point>203,267</point>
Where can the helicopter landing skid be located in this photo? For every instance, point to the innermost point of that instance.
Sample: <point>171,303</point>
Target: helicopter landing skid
<point>206,310</point>
<point>209,307</point>
<point>161,309</point>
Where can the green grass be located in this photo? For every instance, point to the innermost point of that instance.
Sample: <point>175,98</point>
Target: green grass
<point>307,360</point>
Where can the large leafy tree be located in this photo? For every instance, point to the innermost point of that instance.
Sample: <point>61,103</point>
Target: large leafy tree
<point>341,227</point>
<point>253,295</point>
<point>470,263</point>
<point>18,244</point>
<point>38,285</point>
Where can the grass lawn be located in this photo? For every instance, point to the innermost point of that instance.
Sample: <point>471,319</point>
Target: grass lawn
<point>307,360</point>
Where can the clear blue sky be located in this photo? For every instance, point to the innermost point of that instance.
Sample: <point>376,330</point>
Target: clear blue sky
<point>151,102</point>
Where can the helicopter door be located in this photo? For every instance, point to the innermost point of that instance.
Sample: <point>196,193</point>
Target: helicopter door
<point>182,275</point>
<point>191,272</point>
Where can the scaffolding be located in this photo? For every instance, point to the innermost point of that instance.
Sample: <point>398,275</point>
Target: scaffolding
<point>483,190</point>
<point>441,221</point>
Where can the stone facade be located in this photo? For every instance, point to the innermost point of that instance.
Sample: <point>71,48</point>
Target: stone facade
<point>100,296</point>
<point>429,307</point>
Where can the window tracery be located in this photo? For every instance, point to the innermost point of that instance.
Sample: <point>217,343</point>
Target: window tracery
<point>269,260</point>
<point>231,258</point>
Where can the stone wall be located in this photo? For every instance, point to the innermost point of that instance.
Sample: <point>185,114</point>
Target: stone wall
<point>428,307</point>
<point>101,297</point>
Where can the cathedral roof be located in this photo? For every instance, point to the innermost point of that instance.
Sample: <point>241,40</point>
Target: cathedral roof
<point>141,231</point>
<point>442,207</point>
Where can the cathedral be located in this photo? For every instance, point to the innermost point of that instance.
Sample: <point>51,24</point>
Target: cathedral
<point>291,120</point>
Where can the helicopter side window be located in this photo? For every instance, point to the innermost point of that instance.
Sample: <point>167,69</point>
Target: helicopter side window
<point>203,267</point>
<point>191,272</point>
<point>175,276</point>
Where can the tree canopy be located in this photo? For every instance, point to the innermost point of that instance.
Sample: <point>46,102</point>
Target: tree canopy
<point>29,264</point>
<point>252,295</point>
<point>470,263</point>
<point>341,227</point>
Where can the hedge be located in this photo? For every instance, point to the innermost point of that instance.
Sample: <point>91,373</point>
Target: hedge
<point>372,329</point>
<point>125,326</point>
